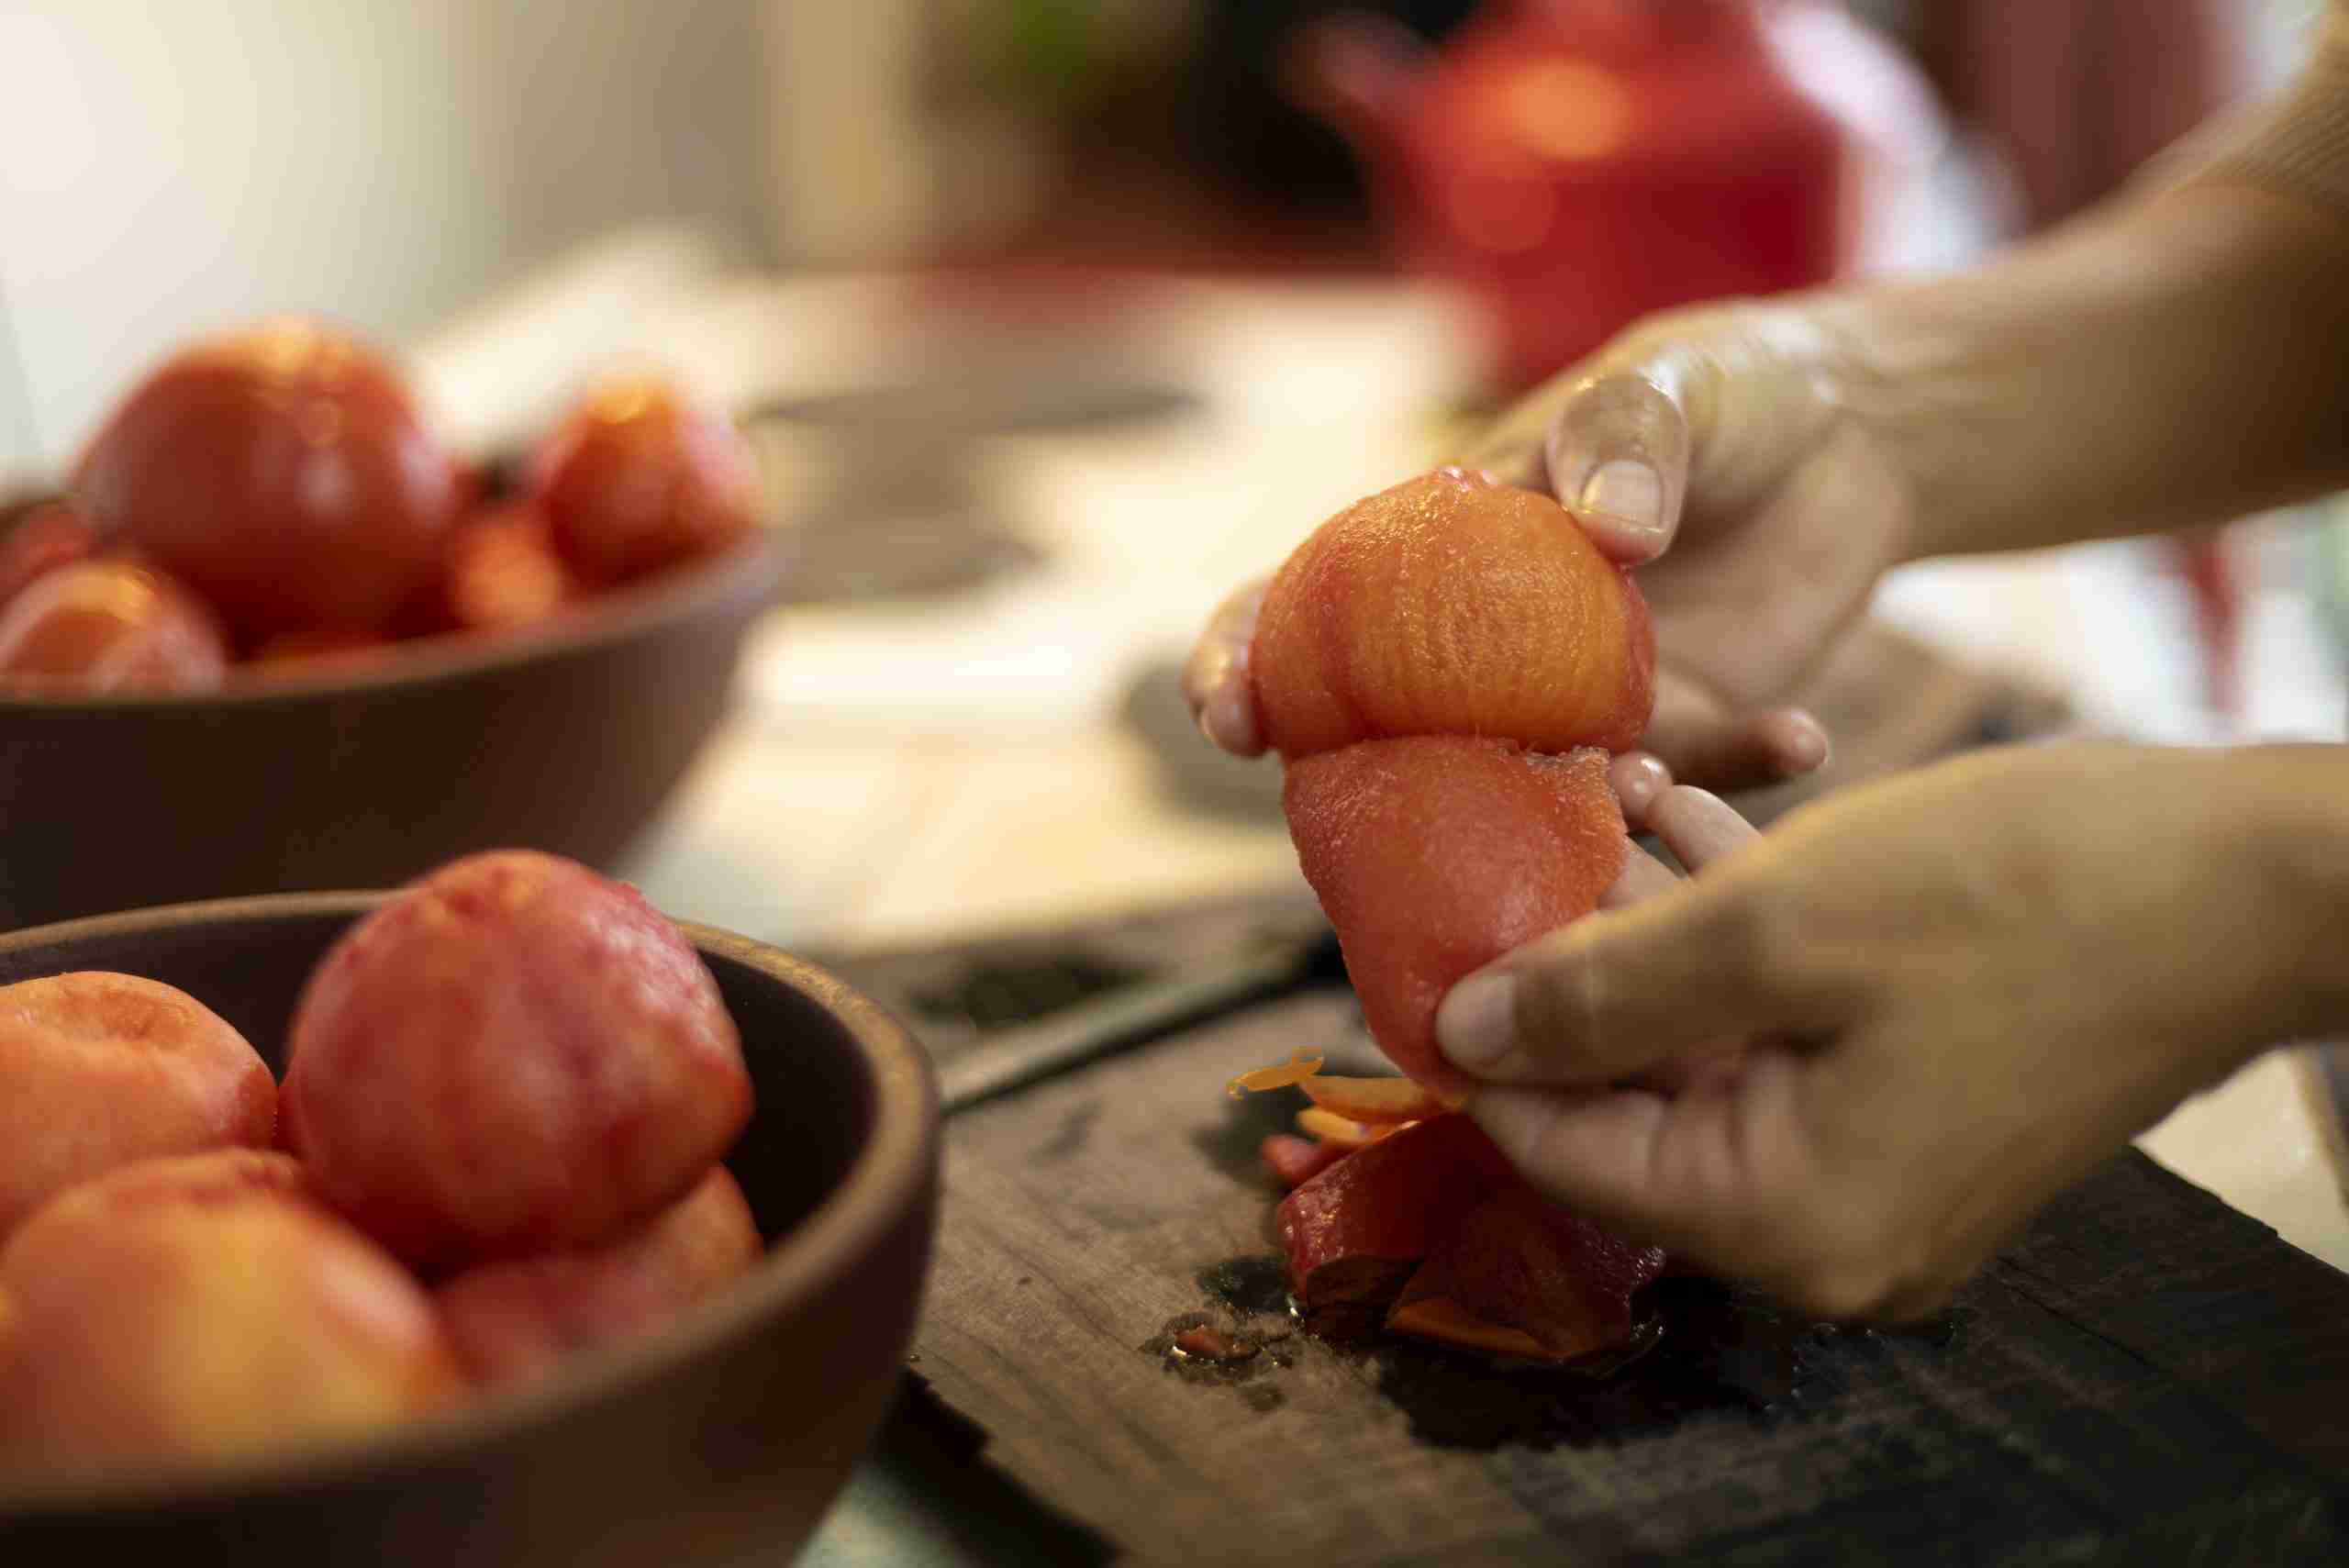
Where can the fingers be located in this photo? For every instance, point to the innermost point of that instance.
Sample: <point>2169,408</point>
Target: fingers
<point>1665,966</point>
<point>1617,992</point>
<point>1703,1172</point>
<point>1216,682</point>
<point>1716,402</point>
<point>1617,455</point>
<point>1611,440</point>
<point>1715,1067</point>
<point>1722,1174</point>
<point>1637,779</point>
<point>1643,877</point>
<point>1698,827</point>
<point>1704,741</point>
<point>1508,451</point>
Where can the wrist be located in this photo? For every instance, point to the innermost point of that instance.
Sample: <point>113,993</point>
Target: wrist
<point>1906,390</point>
<point>2165,362</point>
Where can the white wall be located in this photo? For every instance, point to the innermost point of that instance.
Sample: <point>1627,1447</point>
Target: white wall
<point>168,166</point>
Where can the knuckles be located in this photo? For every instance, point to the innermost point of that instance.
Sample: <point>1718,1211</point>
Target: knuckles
<point>1560,1002</point>
<point>1847,1254</point>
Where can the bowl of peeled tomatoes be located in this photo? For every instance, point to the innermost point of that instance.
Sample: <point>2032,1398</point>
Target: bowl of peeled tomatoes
<point>495,1219</point>
<point>274,633</point>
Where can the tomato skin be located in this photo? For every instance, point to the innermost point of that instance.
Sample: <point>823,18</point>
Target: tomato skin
<point>43,537</point>
<point>284,475</point>
<point>503,570</point>
<point>317,653</point>
<point>98,628</point>
<point>637,478</point>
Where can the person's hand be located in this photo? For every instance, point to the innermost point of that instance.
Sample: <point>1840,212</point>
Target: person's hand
<point>1958,990</point>
<point>1697,828</point>
<point>1725,453</point>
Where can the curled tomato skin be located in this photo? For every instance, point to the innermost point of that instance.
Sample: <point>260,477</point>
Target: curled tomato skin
<point>1518,1278</point>
<point>1378,1102</point>
<point>1280,1076</point>
<point>1426,1232</point>
<point>1356,1232</point>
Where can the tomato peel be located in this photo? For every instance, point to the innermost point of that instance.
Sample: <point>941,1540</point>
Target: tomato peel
<point>1378,1100</point>
<point>1280,1076</point>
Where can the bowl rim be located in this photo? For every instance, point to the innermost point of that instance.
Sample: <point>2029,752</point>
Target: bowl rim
<point>746,573</point>
<point>890,1173</point>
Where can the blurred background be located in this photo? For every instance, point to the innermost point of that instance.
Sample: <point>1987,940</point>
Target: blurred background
<point>1052,319</point>
<point>166,170</point>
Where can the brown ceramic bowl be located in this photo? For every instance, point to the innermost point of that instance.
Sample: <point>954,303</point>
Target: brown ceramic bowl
<point>565,738</point>
<point>723,1439</point>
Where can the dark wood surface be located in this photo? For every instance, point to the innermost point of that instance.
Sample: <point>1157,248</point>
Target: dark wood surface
<point>2147,1376</point>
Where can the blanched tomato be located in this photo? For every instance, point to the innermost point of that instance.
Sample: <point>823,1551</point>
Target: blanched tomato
<point>108,627</point>
<point>637,478</point>
<point>284,474</point>
<point>504,570</point>
<point>41,539</point>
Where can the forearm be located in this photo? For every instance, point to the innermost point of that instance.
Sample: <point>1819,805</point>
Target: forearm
<point>2177,359</point>
<point>2293,804</point>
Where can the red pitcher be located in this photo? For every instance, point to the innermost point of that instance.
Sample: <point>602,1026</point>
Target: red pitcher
<point>1578,164</point>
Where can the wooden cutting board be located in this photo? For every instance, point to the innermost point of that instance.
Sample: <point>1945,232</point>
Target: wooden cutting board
<point>2147,1376</point>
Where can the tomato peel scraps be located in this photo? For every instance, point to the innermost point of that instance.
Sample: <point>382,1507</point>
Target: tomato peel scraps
<point>1378,1100</point>
<point>1518,1278</point>
<point>1356,1232</point>
<point>1427,1231</point>
<point>1280,1076</point>
<point>1336,1131</point>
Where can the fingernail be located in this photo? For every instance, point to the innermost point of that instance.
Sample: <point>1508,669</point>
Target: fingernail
<point>1808,746</point>
<point>1646,779</point>
<point>1627,490</point>
<point>1229,718</point>
<point>1215,724</point>
<point>1476,1024</point>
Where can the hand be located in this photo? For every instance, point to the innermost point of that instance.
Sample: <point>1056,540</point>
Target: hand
<point>1717,451</point>
<point>1958,990</point>
<point>1698,829</point>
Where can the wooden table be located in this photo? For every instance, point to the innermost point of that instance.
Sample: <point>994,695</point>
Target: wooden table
<point>2146,1376</point>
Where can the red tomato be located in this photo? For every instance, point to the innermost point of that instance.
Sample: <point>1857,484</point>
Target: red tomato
<point>315,652</point>
<point>637,479</point>
<point>504,570</point>
<point>284,474</point>
<point>43,537</point>
<point>99,627</point>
